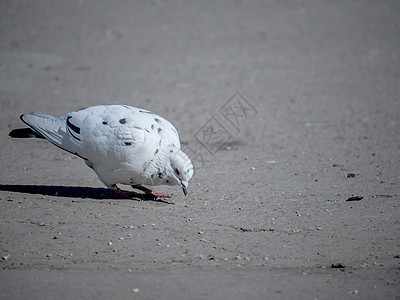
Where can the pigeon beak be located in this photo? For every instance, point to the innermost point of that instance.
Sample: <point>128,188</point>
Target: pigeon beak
<point>184,187</point>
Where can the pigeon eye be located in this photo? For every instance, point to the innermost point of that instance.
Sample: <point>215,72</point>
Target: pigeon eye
<point>177,172</point>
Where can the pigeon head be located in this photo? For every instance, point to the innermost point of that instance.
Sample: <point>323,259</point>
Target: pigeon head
<point>181,168</point>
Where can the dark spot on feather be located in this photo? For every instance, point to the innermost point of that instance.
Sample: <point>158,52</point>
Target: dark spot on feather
<point>171,151</point>
<point>104,122</point>
<point>167,181</point>
<point>128,143</point>
<point>147,130</point>
<point>160,175</point>
<point>157,120</point>
<point>122,121</point>
<point>74,128</point>
<point>152,126</point>
<point>156,152</point>
<point>152,176</point>
<point>159,130</point>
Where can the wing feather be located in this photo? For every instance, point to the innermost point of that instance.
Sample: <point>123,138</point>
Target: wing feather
<point>53,128</point>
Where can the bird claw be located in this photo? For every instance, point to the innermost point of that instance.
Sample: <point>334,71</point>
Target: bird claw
<point>159,195</point>
<point>147,191</point>
<point>124,195</point>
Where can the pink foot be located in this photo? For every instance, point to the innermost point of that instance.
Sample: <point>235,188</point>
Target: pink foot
<point>161,195</point>
<point>150,192</point>
<point>122,194</point>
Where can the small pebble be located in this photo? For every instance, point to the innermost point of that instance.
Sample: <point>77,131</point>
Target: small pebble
<point>136,290</point>
<point>355,198</point>
<point>109,243</point>
<point>337,266</point>
<point>270,161</point>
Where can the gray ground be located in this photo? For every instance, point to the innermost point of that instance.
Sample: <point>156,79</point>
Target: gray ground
<point>266,216</point>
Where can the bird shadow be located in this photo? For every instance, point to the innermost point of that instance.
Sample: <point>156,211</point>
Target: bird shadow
<point>75,192</point>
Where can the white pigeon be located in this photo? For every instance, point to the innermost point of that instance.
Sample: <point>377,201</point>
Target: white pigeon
<point>121,143</point>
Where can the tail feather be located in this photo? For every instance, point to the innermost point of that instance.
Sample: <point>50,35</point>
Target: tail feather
<point>50,127</point>
<point>46,126</point>
<point>23,133</point>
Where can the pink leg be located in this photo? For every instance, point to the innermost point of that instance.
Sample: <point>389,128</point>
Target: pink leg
<point>150,192</point>
<point>122,194</point>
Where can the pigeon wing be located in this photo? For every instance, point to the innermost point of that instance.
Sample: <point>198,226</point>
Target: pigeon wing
<point>106,135</point>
